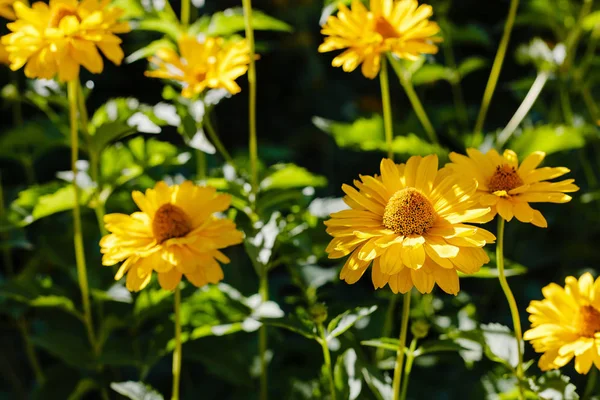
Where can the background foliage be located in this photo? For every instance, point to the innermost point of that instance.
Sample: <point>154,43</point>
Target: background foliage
<point>318,128</point>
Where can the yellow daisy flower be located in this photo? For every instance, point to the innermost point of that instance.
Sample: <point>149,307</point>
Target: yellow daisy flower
<point>401,27</point>
<point>6,9</point>
<point>566,324</point>
<point>175,234</point>
<point>409,222</point>
<point>59,37</point>
<point>202,64</point>
<point>508,188</point>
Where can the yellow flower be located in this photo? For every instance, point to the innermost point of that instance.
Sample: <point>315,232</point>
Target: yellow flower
<point>60,37</point>
<point>508,188</point>
<point>401,27</point>
<point>566,324</point>
<point>175,233</point>
<point>6,9</point>
<point>409,222</point>
<point>211,63</point>
<point>3,55</point>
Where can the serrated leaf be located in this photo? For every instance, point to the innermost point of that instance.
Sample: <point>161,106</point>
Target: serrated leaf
<point>230,21</point>
<point>287,176</point>
<point>136,390</point>
<point>346,320</point>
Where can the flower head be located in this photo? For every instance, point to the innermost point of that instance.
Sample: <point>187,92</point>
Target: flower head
<point>566,324</point>
<point>211,63</point>
<point>6,9</point>
<point>409,222</point>
<point>508,188</point>
<point>59,37</point>
<point>398,26</point>
<point>175,234</point>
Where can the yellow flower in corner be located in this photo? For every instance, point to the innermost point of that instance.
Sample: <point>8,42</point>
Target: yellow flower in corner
<point>409,222</point>
<point>6,9</point>
<point>175,234</point>
<point>508,188</point>
<point>210,63</point>
<point>566,324</point>
<point>401,27</point>
<point>57,38</point>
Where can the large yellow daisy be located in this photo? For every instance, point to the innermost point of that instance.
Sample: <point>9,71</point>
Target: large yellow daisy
<point>409,222</point>
<point>202,64</point>
<point>175,234</point>
<point>59,37</point>
<point>508,188</point>
<point>401,27</point>
<point>566,324</point>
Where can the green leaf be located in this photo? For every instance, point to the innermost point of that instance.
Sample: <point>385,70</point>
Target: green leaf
<point>298,324</point>
<point>230,21</point>
<point>382,343</point>
<point>61,302</point>
<point>136,390</point>
<point>346,320</point>
<point>71,347</point>
<point>83,387</point>
<point>550,139</point>
<point>348,382</point>
<point>552,385</point>
<point>430,73</point>
<point>30,140</point>
<point>591,21</point>
<point>501,344</point>
<point>287,176</point>
<point>470,65</point>
<point>436,346</point>
<point>150,50</point>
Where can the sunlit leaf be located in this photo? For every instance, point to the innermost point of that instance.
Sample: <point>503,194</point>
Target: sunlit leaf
<point>345,321</point>
<point>550,139</point>
<point>286,176</point>
<point>231,21</point>
<point>430,73</point>
<point>136,390</point>
<point>382,343</point>
<point>348,382</point>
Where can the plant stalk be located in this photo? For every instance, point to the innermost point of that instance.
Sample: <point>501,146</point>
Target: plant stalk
<point>263,340</point>
<point>177,351</point>
<point>212,134</point>
<point>400,352</point>
<point>410,357</point>
<point>514,310</point>
<point>253,146</point>
<point>387,108</point>
<point>387,325</point>
<point>327,360</point>
<point>497,66</point>
<point>591,384</point>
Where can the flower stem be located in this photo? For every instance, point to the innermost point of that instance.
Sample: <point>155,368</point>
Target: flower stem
<point>514,310</point>
<point>387,109</point>
<point>497,66</point>
<point>528,101</point>
<point>410,357</point>
<point>177,351</point>
<point>414,100</point>
<point>200,165</point>
<point>30,351</point>
<point>400,352</point>
<point>263,339</point>
<point>212,134</point>
<point>387,325</point>
<point>185,12</point>
<point>327,359</point>
<point>77,230</point>
<point>457,92</point>
<point>247,4</point>
<point>591,384</point>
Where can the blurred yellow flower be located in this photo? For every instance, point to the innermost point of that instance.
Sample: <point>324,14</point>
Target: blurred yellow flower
<point>401,27</point>
<point>6,9</point>
<point>566,324</point>
<point>175,234</point>
<point>3,55</point>
<point>409,222</point>
<point>59,37</point>
<point>508,188</point>
<point>202,64</point>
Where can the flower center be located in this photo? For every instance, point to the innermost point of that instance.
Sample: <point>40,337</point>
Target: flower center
<point>409,212</point>
<point>170,222</point>
<point>588,321</point>
<point>505,178</point>
<point>59,13</point>
<point>385,29</point>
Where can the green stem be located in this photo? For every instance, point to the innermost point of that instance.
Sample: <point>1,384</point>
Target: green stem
<point>253,146</point>
<point>177,351</point>
<point>457,93</point>
<point>387,109</point>
<point>590,104</point>
<point>497,66</point>
<point>185,12</point>
<point>409,89</point>
<point>565,103</point>
<point>214,137</point>
<point>410,357</point>
<point>400,352</point>
<point>200,165</point>
<point>77,229</point>
<point>528,101</point>
<point>514,310</point>
<point>30,352</point>
<point>591,384</point>
<point>327,359</point>
<point>387,325</point>
<point>263,340</point>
